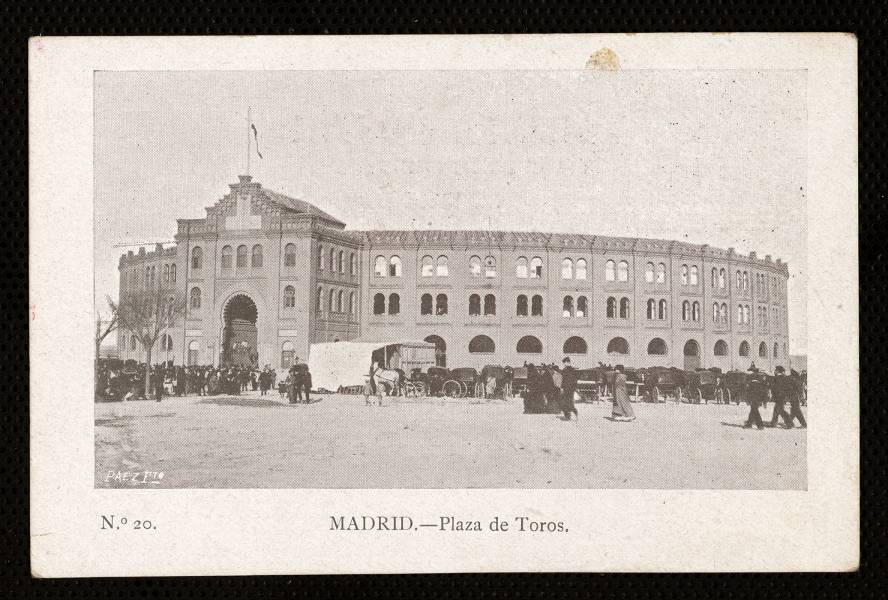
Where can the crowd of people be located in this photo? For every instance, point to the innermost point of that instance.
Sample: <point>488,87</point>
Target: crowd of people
<point>120,381</point>
<point>779,389</point>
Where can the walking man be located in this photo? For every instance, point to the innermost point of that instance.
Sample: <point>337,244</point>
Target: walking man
<point>756,392</point>
<point>795,402</point>
<point>306,384</point>
<point>780,392</point>
<point>568,389</point>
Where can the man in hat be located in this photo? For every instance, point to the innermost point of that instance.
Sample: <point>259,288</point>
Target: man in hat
<point>781,389</point>
<point>568,389</point>
<point>756,393</point>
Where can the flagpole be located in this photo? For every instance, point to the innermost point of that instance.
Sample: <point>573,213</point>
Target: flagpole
<point>249,121</point>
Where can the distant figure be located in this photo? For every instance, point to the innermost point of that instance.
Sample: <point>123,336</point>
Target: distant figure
<point>795,402</point>
<point>781,388</point>
<point>508,377</point>
<point>371,388</point>
<point>756,393</point>
<point>568,389</point>
<point>306,384</point>
<point>622,410</point>
<point>294,388</point>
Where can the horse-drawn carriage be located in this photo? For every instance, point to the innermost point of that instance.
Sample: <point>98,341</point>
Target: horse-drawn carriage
<point>590,384</point>
<point>704,386</point>
<point>733,385</point>
<point>491,382</point>
<point>461,382</point>
<point>666,383</point>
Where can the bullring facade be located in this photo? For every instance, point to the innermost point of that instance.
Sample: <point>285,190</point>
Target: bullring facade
<point>264,276</point>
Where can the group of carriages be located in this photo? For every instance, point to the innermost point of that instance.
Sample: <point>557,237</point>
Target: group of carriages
<point>650,384</point>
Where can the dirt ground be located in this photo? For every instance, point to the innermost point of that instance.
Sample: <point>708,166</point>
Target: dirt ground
<point>261,442</point>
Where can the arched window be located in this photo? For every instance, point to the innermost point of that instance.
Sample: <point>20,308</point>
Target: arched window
<point>166,343</point>
<point>287,354</point>
<point>332,260</point>
<point>739,314</point>
<point>425,304</point>
<point>536,306</point>
<point>581,269</point>
<point>394,304</point>
<point>685,310</point>
<point>148,278</point>
<point>475,266</point>
<point>166,274</point>
<point>745,281</point>
<point>340,304</point>
<point>567,268</point>
<point>746,313</point>
<point>695,312</point>
<point>582,306</point>
<point>197,257</point>
<point>379,266</point>
<point>521,268</point>
<point>257,256</point>
<point>610,271</point>
<point>691,348</point>
<point>716,315</point>
<point>441,304</point>
<point>289,297</point>
<point>195,297</point>
<point>611,307</point>
<point>489,304</point>
<point>173,273</point>
<point>684,274</point>
<point>481,344</point>
<point>744,348</point>
<point>536,267</point>
<point>724,313</point>
<point>320,258</point>
<point>133,342</point>
<point>489,266</point>
<point>351,303</point>
<point>241,257</point>
<point>776,349</point>
<point>353,263</point>
<point>394,267</point>
<point>657,347</point>
<point>428,266</point>
<point>661,273</point>
<point>153,276</point>
<point>623,271</point>
<point>713,277</point>
<point>721,278</point>
<point>474,305</point>
<point>694,274</point>
<point>529,345</point>
<point>721,348</point>
<point>341,262</point>
<point>567,309</point>
<point>739,280</point>
<point>651,309</point>
<point>649,272</point>
<point>763,350</point>
<point>521,306</point>
<point>575,345</point>
<point>290,255</point>
<point>661,310</point>
<point>618,345</point>
<point>379,304</point>
<point>442,270</point>
<point>331,301</point>
<point>624,308</point>
<point>319,300</point>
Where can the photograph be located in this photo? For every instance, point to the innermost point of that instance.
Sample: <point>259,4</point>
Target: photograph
<point>587,278</point>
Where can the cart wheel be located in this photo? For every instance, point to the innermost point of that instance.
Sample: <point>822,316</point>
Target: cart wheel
<point>452,388</point>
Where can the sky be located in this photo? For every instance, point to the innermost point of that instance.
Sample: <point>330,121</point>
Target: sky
<point>714,157</point>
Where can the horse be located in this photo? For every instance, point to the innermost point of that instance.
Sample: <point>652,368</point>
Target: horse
<point>391,379</point>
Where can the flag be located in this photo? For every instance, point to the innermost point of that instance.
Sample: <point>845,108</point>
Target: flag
<point>256,137</point>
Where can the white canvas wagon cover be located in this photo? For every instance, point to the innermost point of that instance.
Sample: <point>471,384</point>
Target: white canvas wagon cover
<point>343,364</point>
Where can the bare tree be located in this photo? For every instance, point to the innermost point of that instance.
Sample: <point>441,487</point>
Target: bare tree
<point>148,314</point>
<point>105,327</point>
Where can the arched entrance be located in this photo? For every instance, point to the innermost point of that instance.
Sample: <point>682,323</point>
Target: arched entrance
<point>239,333</point>
<point>440,350</point>
<point>691,355</point>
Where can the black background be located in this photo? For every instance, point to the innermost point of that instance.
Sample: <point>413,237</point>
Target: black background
<point>19,21</point>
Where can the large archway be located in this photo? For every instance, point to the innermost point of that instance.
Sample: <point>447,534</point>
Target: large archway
<point>440,350</point>
<point>239,333</point>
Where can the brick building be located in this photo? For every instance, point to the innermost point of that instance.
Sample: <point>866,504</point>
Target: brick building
<point>265,276</point>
